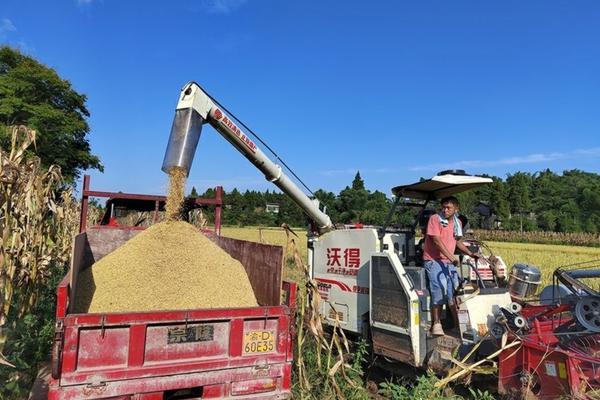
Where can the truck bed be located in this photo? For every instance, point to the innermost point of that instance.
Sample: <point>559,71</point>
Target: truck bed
<point>202,353</point>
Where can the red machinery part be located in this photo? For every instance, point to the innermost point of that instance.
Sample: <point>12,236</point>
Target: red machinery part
<point>543,367</point>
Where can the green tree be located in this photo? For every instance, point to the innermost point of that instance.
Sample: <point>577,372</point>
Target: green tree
<point>494,194</point>
<point>546,220</point>
<point>353,201</point>
<point>376,211</point>
<point>358,183</point>
<point>519,186</point>
<point>567,217</point>
<point>330,202</point>
<point>232,213</point>
<point>468,201</point>
<point>545,189</point>
<point>499,199</point>
<point>33,94</point>
<point>590,205</point>
<point>289,212</point>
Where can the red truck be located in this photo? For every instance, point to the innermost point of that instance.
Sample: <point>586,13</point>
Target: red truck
<point>180,354</point>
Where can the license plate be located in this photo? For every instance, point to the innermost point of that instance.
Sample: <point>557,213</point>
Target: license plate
<point>256,342</point>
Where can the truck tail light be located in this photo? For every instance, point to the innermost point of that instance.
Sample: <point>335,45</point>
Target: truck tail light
<point>255,386</point>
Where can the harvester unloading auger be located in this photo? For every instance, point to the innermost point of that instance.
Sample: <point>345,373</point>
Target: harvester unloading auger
<point>196,107</point>
<point>373,285</point>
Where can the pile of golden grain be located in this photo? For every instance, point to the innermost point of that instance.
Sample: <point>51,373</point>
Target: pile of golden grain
<point>168,266</point>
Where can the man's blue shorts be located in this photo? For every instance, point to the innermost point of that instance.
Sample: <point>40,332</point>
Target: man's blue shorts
<point>443,281</point>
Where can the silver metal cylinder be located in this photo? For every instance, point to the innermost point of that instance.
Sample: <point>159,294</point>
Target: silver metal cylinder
<point>185,134</point>
<point>524,281</point>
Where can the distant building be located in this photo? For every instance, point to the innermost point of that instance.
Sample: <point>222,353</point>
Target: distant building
<point>484,209</point>
<point>489,219</point>
<point>272,208</point>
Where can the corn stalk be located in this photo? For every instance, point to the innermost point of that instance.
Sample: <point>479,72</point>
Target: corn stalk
<point>332,351</point>
<point>36,224</point>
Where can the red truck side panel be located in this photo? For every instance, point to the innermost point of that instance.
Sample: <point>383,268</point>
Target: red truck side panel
<point>158,352</point>
<point>210,353</point>
<point>102,350</point>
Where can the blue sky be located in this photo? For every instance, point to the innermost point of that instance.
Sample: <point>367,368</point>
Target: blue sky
<point>394,89</point>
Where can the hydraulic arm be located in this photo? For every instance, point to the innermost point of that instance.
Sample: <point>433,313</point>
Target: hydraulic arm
<point>194,109</point>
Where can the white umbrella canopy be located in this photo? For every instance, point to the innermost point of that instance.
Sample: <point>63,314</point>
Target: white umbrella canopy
<point>440,186</point>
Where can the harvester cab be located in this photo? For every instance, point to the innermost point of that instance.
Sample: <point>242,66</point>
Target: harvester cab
<point>373,282</point>
<point>485,271</point>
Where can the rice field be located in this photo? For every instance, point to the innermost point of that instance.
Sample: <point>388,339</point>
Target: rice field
<point>545,256</point>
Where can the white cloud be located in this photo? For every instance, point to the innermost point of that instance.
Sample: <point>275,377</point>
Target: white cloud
<point>223,6</point>
<point>6,26</point>
<point>515,160</point>
<point>594,151</point>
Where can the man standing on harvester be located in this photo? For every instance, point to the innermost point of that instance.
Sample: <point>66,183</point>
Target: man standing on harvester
<point>443,236</point>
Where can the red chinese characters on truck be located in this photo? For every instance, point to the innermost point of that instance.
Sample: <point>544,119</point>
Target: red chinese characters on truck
<point>343,261</point>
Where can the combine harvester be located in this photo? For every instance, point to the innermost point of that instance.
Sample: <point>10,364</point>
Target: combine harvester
<point>372,284</point>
